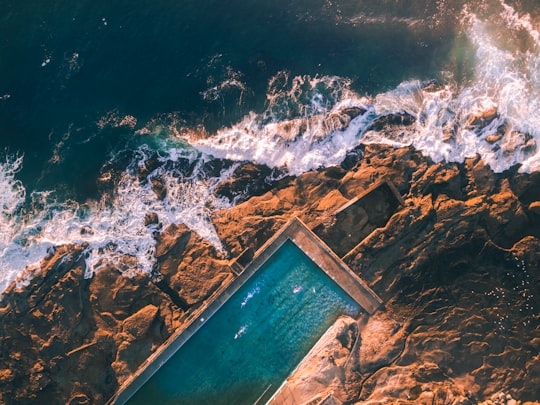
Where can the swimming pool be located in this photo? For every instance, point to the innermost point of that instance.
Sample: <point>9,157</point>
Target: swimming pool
<point>255,340</point>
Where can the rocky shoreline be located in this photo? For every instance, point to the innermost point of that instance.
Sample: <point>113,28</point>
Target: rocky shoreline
<point>458,267</point>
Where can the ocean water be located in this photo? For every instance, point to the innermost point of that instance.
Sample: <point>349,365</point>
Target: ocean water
<point>91,91</point>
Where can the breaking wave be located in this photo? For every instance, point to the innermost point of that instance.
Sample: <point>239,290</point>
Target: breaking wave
<point>115,231</point>
<point>310,122</point>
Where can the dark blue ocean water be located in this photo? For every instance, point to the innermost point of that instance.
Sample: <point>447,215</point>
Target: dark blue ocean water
<point>67,64</point>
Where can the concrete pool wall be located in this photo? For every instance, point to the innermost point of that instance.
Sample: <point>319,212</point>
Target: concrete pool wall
<point>309,243</point>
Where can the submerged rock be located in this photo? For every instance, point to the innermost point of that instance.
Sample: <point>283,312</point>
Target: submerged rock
<point>517,141</point>
<point>340,120</point>
<point>493,138</point>
<point>535,207</point>
<point>159,188</point>
<point>391,120</point>
<point>151,219</point>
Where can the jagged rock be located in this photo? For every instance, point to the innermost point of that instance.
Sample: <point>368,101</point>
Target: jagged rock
<point>352,157</point>
<point>148,167</point>
<point>493,138</point>
<point>515,141</point>
<point>173,241</point>
<point>524,186</point>
<point>188,265</point>
<point>247,180</point>
<point>112,172</point>
<point>139,323</point>
<point>481,179</point>
<point>86,230</point>
<point>391,120</point>
<point>159,188</point>
<point>214,167</point>
<point>151,219</point>
<point>483,118</point>
<point>79,399</point>
<point>340,120</point>
<point>535,207</point>
<point>432,86</point>
<point>331,202</point>
<point>507,221</point>
<point>449,134</point>
<point>353,112</point>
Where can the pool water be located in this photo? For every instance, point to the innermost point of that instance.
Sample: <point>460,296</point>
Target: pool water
<point>256,339</point>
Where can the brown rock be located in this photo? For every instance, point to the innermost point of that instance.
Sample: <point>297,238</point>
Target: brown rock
<point>507,221</point>
<point>151,219</point>
<point>515,141</point>
<point>247,180</point>
<point>322,373</point>
<point>340,120</point>
<point>149,166</point>
<point>449,134</point>
<point>353,112</point>
<point>391,120</point>
<point>79,399</point>
<point>139,323</point>
<point>534,207</point>
<point>524,186</point>
<point>331,202</point>
<point>480,177</point>
<point>457,267</point>
<point>493,138</point>
<point>6,376</point>
<point>483,118</point>
<point>173,241</point>
<point>159,188</point>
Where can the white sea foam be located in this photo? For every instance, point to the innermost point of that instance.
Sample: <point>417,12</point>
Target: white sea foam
<point>15,253</point>
<point>12,195</point>
<point>506,77</point>
<point>115,233</point>
<point>297,129</point>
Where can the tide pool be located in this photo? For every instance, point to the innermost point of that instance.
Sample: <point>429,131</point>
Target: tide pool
<point>256,338</point>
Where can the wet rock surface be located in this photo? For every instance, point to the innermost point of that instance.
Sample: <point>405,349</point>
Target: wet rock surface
<point>458,266</point>
<point>66,339</point>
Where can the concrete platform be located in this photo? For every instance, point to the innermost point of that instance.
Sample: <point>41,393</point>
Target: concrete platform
<point>344,228</point>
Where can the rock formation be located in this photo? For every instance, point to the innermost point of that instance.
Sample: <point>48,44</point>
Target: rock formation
<point>458,267</point>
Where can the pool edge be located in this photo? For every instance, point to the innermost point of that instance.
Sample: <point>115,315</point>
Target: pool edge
<point>296,231</point>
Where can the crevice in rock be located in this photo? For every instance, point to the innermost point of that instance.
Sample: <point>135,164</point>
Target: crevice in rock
<point>159,281</point>
<point>392,362</point>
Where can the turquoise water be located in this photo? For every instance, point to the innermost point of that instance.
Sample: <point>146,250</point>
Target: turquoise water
<point>256,339</point>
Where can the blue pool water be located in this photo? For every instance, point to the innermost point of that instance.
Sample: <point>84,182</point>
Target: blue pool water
<point>255,339</point>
